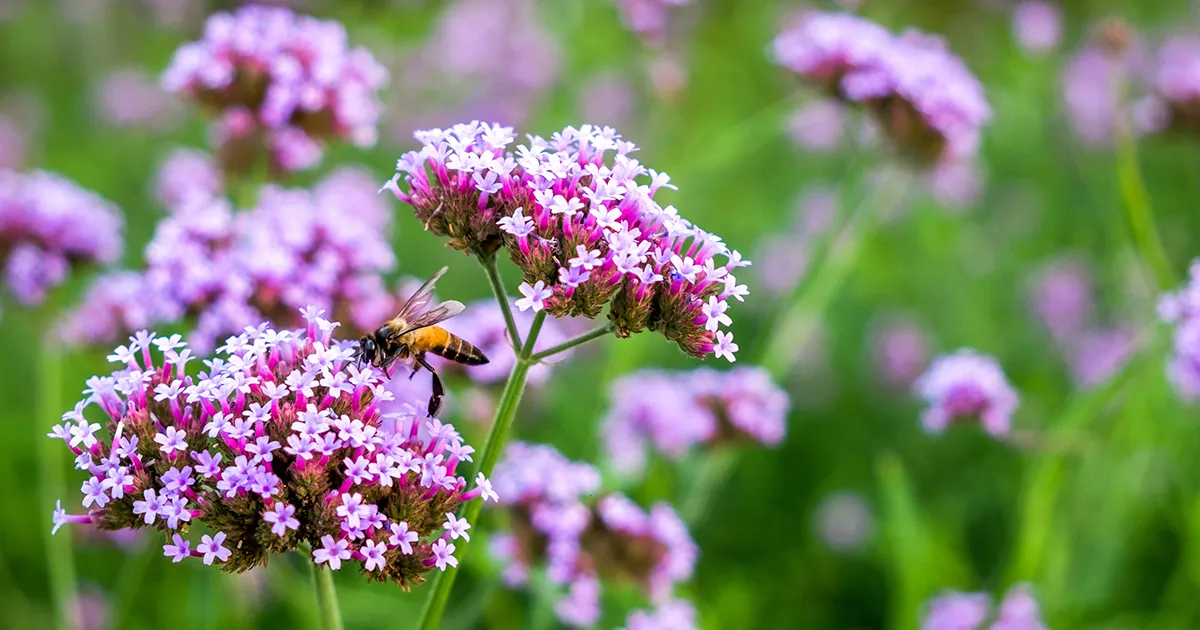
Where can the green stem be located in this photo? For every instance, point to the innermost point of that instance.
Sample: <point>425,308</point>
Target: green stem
<point>59,557</point>
<point>1141,215</point>
<point>713,473</point>
<point>571,343</point>
<point>493,274</point>
<point>327,601</point>
<point>129,580</point>
<point>506,410</point>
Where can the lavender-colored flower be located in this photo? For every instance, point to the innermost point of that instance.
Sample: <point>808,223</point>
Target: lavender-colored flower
<point>188,177</point>
<point>578,224</point>
<point>49,225</point>
<point>257,496</point>
<point>229,270</point>
<point>1099,83</point>
<point>1037,25</point>
<point>922,95</point>
<point>584,542</point>
<point>818,125</point>
<point>130,98</point>
<point>293,79</point>
<point>1177,82</point>
<point>648,18</point>
<point>1182,309</point>
<point>676,614</point>
<point>673,412</point>
<point>89,609</point>
<point>955,183</point>
<point>966,385</point>
<point>844,521</point>
<point>955,610</point>
<point>900,348</point>
<point>1061,296</point>
<point>1097,355</point>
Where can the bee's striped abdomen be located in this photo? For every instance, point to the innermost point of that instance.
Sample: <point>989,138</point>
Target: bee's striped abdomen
<point>454,348</point>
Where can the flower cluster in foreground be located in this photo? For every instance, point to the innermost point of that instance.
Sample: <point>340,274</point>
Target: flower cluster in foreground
<point>966,385</point>
<point>49,225</point>
<point>278,443</point>
<point>582,541</point>
<point>921,94</point>
<point>279,83</point>
<point>673,412</point>
<point>227,269</point>
<point>955,610</point>
<point>584,232</point>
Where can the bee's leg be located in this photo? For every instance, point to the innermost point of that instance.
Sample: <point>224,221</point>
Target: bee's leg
<point>435,401</point>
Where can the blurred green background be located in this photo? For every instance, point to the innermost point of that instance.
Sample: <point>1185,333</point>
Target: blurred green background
<point>1096,505</point>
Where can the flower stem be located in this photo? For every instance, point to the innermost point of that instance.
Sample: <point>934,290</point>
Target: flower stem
<point>59,556</point>
<point>571,343</point>
<point>493,274</point>
<point>327,601</point>
<point>713,472</point>
<point>1137,205</point>
<point>506,410</point>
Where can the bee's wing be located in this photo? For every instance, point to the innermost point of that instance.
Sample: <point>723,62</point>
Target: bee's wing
<point>420,299</point>
<point>437,314</point>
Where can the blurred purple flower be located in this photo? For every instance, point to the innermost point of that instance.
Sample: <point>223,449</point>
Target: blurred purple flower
<point>129,98</point>
<point>1097,355</point>
<point>188,177</point>
<point>579,225</point>
<point>607,99</point>
<point>296,77</point>
<point>966,385</point>
<point>1101,81</point>
<point>1182,309</point>
<point>900,348</point>
<point>954,610</point>
<point>229,270</point>
<point>283,430</point>
<point>784,256</point>
<point>956,183</point>
<point>844,521</point>
<point>1177,84</point>
<point>818,125</point>
<point>675,614</point>
<point>1037,25</point>
<point>89,610</point>
<point>483,324</point>
<point>923,96</point>
<point>668,76</point>
<point>673,412</point>
<point>14,144</point>
<point>648,18</point>
<point>583,542</point>
<point>1061,296</point>
<point>49,225</point>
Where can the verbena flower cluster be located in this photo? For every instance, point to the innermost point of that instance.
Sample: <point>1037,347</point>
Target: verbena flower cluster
<point>648,18</point>
<point>921,94</point>
<point>280,83</point>
<point>955,610</point>
<point>583,539</point>
<point>48,225</point>
<point>583,231</point>
<point>1182,309</point>
<point>277,443</point>
<point>227,270</point>
<point>966,386</point>
<point>674,412</point>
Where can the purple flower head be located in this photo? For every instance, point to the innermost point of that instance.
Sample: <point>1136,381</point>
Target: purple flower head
<point>1176,83</point>
<point>1061,295</point>
<point>675,614</point>
<point>648,18</point>
<point>1182,309</point>
<point>1037,25</point>
<point>1097,355</point>
<point>277,475</point>
<point>955,610</point>
<point>49,225</point>
<point>673,412</point>
<point>818,125</point>
<point>1093,82</point>
<point>129,98</point>
<point>920,93</point>
<point>89,609</point>
<point>579,224</point>
<point>224,270</point>
<point>187,177</point>
<point>582,539</point>
<point>966,386</point>
<point>292,79</point>
<point>900,348</point>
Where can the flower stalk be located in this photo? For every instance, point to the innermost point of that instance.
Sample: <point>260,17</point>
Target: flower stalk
<point>59,556</point>
<point>506,410</point>
<point>493,274</point>
<point>327,601</point>
<point>595,333</point>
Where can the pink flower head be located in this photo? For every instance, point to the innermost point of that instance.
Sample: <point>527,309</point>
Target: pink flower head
<point>187,177</point>
<point>294,77</point>
<point>648,18</point>
<point>900,348</point>
<point>1182,309</point>
<point>921,94</point>
<point>965,386</point>
<point>130,98</point>
<point>48,225</point>
<point>1037,25</point>
<point>1061,296</point>
<point>267,434</point>
<point>955,610</point>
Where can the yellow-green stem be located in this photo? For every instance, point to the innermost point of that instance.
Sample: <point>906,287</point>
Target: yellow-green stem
<point>506,410</point>
<point>59,557</point>
<point>493,274</point>
<point>327,602</point>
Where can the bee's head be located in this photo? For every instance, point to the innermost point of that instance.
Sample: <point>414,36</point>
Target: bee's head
<point>367,350</point>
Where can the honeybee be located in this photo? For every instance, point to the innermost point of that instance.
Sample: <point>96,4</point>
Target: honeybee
<point>413,332</point>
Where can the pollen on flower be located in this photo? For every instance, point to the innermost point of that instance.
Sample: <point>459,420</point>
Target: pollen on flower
<point>966,385</point>
<point>268,450</point>
<point>48,226</point>
<point>674,412</point>
<point>585,232</point>
<point>280,84</point>
<point>584,541</point>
